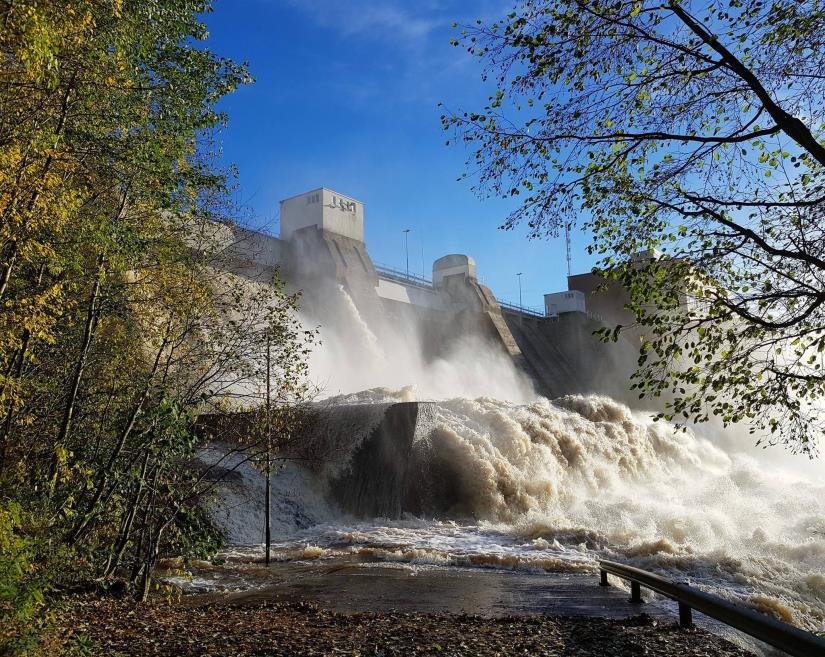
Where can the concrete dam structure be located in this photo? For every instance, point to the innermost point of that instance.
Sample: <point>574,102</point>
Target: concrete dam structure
<point>455,430</point>
<point>321,251</point>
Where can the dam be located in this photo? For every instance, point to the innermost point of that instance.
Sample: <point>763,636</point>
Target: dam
<point>321,251</point>
<point>460,432</point>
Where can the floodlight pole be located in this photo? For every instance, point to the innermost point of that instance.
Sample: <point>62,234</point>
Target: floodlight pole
<point>407,248</point>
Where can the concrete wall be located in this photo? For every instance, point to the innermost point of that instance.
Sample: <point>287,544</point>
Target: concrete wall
<point>325,209</point>
<point>322,247</point>
<point>412,294</point>
<point>265,250</point>
<point>564,357</point>
<point>608,303</point>
<point>343,215</point>
<point>455,264</point>
<point>558,303</point>
<point>376,483</point>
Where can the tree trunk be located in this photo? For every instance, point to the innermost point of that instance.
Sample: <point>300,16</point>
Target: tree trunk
<point>138,564</point>
<point>268,495</point>
<point>8,266</point>
<point>92,315</point>
<point>149,564</point>
<point>268,501</point>
<point>120,545</point>
<point>110,463</point>
<point>16,373</point>
<point>152,556</point>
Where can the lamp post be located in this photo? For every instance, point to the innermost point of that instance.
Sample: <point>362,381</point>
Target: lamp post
<point>520,306</point>
<point>406,232</point>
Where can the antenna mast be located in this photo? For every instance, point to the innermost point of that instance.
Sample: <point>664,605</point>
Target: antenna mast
<point>567,246</point>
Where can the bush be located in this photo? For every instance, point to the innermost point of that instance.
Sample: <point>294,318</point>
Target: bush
<point>21,586</point>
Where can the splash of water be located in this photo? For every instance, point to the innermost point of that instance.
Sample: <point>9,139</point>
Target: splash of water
<point>556,485</point>
<point>588,474</point>
<point>364,348</point>
<point>531,484</point>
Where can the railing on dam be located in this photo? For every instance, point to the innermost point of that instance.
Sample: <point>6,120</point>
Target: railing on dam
<point>403,277</point>
<point>524,310</point>
<point>787,638</point>
<point>385,271</point>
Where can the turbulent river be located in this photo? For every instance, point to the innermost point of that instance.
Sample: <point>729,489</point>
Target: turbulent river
<point>551,486</point>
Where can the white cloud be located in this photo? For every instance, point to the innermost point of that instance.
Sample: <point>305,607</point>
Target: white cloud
<point>384,20</point>
<point>412,60</point>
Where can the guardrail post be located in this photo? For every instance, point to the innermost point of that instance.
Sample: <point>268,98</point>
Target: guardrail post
<point>789,639</point>
<point>603,581</point>
<point>635,592</point>
<point>685,615</point>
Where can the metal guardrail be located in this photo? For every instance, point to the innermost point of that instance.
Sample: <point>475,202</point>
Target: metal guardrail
<point>524,310</point>
<point>419,281</point>
<point>402,276</point>
<point>787,638</point>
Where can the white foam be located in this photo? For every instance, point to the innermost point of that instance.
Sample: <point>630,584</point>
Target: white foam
<point>554,486</point>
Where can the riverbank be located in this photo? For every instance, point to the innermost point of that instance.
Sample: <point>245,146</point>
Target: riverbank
<point>224,628</point>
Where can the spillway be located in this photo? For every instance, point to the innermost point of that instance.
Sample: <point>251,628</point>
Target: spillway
<point>545,487</point>
<point>458,431</point>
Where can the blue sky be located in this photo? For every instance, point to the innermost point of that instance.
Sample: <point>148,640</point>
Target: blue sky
<point>346,97</point>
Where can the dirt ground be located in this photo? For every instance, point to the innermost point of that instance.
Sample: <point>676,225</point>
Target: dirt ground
<point>119,627</point>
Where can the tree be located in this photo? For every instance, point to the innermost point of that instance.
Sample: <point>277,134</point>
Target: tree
<point>694,128</point>
<point>207,336</point>
<point>116,330</point>
<point>268,407</point>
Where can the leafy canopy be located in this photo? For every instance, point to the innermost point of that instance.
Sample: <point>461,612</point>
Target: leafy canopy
<point>694,129</point>
<point>118,322</point>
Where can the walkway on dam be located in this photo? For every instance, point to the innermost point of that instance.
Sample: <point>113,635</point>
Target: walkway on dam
<point>358,586</point>
<point>365,587</point>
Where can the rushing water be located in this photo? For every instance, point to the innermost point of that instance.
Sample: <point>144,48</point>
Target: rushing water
<point>553,486</point>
